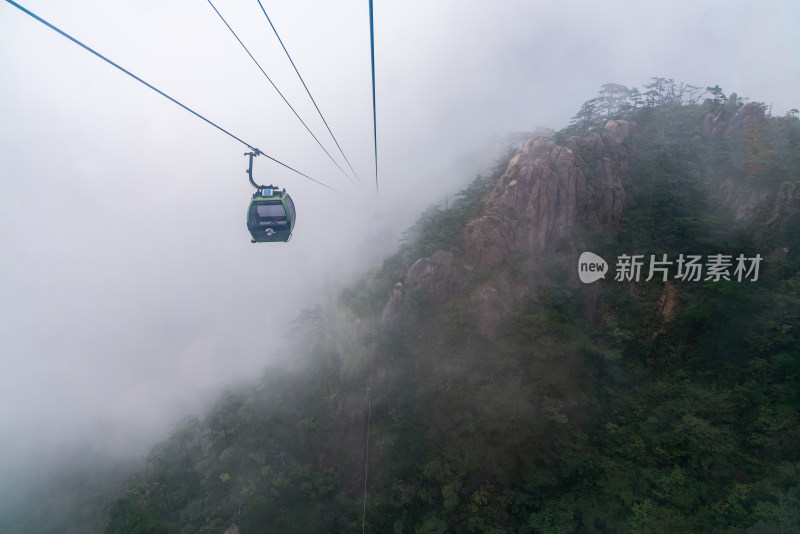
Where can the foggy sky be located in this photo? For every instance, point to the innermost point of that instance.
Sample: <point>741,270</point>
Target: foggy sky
<point>129,290</point>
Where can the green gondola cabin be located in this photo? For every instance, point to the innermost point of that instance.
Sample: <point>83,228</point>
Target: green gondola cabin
<point>270,216</point>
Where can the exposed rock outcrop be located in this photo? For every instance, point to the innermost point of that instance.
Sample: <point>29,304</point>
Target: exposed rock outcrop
<point>785,206</point>
<point>667,306</point>
<point>729,120</point>
<point>438,275</point>
<point>494,299</point>
<point>748,120</point>
<point>391,311</point>
<point>547,192</point>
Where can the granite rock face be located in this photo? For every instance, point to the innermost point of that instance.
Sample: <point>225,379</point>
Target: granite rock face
<point>549,191</point>
<point>732,120</point>
<point>546,193</point>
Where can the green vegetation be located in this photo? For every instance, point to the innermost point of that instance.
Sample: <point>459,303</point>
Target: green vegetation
<point>611,421</point>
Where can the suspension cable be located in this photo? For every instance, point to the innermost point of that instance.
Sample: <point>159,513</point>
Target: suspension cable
<point>162,93</point>
<point>369,414</point>
<point>276,88</point>
<point>308,92</point>
<point>374,115</point>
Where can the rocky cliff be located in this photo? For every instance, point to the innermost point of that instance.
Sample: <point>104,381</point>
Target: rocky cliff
<point>550,195</point>
<point>547,193</point>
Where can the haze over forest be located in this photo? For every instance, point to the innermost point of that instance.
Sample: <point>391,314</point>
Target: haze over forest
<point>130,293</point>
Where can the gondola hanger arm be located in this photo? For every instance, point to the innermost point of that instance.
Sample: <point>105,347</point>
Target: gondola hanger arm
<point>249,171</point>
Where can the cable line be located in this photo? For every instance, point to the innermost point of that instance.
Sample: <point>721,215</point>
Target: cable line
<point>309,92</point>
<point>276,88</point>
<point>374,117</point>
<point>369,416</point>
<point>162,93</point>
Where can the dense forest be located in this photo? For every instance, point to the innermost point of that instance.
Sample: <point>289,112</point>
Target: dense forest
<point>620,406</point>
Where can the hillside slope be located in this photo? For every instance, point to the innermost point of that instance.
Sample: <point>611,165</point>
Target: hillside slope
<point>495,392</point>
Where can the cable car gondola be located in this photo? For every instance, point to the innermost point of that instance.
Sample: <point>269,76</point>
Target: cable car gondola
<point>271,213</point>
<point>270,216</point>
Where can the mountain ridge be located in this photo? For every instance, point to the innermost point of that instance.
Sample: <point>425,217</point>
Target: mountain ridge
<point>493,392</point>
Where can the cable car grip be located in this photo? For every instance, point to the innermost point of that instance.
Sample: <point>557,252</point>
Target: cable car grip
<point>249,171</point>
